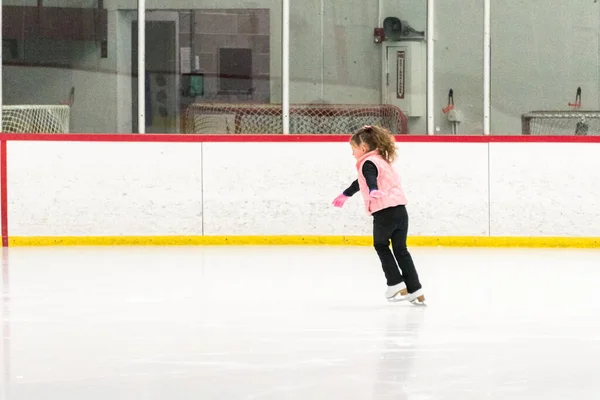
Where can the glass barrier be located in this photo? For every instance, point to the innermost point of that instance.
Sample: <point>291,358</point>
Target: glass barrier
<point>542,57</point>
<point>458,69</point>
<point>215,67</point>
<point>342,76</point>
<point>71,66</point>
<point>223,68</point>
<point>65,66</point>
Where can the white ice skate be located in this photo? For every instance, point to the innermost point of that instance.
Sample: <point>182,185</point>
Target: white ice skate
<point>417,298</point>
<point>396,292</point>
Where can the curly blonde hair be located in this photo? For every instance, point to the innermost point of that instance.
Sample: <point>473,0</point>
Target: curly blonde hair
<point>376,138</point>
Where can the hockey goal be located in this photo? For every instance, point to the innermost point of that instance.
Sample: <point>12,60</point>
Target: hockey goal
<point>304,118</point>
<point>561,123</point>
<point>35,118</point>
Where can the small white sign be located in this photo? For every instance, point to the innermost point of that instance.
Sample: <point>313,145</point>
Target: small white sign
<point>185,62</point>
<point>400,74</point>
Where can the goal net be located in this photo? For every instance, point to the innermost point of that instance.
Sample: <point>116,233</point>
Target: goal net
<point>304,118</point>
<point>561,123</point>
<point>35,119</point>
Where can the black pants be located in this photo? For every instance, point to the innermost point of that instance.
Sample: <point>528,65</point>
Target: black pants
<point>391,224</point>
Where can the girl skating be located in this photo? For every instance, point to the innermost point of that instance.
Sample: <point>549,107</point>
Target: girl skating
<point>375,150</point>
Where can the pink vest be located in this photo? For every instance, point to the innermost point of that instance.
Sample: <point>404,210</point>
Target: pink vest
<point>388,181</point>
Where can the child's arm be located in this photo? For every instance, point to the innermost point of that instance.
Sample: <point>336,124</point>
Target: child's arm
<point>369,171</point>
<point>352,189</point>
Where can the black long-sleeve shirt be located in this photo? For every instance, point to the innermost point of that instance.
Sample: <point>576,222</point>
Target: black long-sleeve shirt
<point>369,170</point>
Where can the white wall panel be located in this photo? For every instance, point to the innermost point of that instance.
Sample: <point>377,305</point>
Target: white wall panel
<point>279,189</point>
<point>287,188</point>
<point>102,188</point>
<point>545,189</point>
<point>446,186</point>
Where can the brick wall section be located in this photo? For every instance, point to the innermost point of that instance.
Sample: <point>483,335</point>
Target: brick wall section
<point>229,28</point>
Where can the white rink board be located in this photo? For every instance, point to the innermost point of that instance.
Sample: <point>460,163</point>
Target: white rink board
<point>446,186</point>
<point>279,189</point>
<point>158,189</point>
<point>287,189</point>
<point>102,188</point>
<point>545,189</point>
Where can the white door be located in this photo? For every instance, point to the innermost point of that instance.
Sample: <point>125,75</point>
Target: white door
<point>405,82</point>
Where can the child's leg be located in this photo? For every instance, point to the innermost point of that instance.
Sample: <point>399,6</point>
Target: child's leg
<point>405,261</point>
<point>383,227</point>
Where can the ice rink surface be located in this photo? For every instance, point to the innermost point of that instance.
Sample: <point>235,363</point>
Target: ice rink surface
<point>297,323</point>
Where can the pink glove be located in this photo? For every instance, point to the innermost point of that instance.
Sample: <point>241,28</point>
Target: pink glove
<point>376,194</point>
<point>340,200</point>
